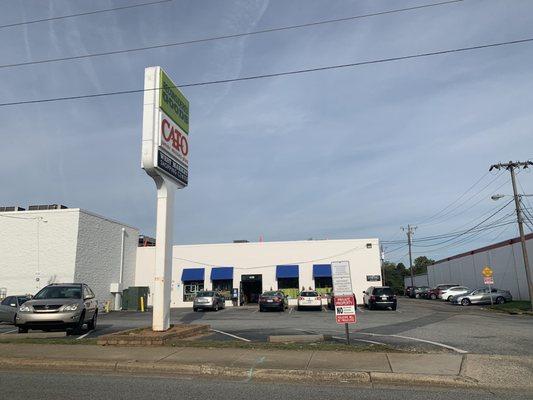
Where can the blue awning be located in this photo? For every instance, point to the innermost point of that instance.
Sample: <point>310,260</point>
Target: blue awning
<point>286,271</point>
<point>192,274</point>
<point>219,273</point>
<point>321,270</point>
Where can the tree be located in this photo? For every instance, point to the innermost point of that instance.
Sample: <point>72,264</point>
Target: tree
<point>421,263</point>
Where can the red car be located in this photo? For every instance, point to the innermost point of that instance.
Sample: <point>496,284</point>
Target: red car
<point>436,292</point>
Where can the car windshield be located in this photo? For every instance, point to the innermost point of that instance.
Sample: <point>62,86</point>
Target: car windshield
<point>309,294</point>
<point>205,294</point>
<point>22,299</point>
<point>271,294</point>
<point>383,291</point>
<point>59,292</point>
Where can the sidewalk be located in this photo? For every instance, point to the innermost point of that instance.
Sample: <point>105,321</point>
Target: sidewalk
<point>476,371</point>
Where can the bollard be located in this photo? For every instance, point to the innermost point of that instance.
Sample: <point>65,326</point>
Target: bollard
<point>142,304</point>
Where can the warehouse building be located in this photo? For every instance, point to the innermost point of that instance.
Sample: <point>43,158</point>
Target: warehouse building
<point>253,268</point>
<point>53,243</point>
<point>505,258</point>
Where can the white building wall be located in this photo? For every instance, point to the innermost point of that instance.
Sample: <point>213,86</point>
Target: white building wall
<point>504,258</point>
<point>262,258</point>
<point>21,264</point>
<point>98,254</point>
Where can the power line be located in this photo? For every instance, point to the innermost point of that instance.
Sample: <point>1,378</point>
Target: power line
<point>286,73</point>
<point>222,37</point>
<point>455,201</point>
<point>35,21</point>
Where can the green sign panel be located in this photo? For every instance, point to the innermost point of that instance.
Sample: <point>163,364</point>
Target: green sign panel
<point>173,102</point>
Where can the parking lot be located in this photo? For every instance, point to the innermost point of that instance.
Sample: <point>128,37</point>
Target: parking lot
<point>416,325</point>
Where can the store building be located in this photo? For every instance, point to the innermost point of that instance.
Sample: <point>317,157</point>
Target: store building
<point>253,268</point>
<point>52,243</point>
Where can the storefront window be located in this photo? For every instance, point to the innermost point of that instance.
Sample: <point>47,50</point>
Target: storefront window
<point>191,288</point>
<point>223,286</point>
<point>324,283</point>
<point>287,283</point>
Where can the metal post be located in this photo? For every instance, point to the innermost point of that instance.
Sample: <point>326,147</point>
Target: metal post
<point>410,230</point>
<point>347,333</point>
<point>522,236</point>
<point>163,254</point>
<point>490,294</point>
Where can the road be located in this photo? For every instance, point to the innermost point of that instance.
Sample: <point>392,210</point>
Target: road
<point>417,324</point>
<point>29,385</point>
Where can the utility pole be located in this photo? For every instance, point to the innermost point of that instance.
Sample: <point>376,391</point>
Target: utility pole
<point>382,257</point>
<point>511,166</point>
<point>410,231</point>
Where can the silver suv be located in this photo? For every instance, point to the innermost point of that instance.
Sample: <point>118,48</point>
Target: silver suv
<point>59,306</point>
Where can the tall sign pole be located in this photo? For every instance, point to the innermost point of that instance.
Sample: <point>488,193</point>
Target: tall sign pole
<point>511,166</point>
<point>165,158</point>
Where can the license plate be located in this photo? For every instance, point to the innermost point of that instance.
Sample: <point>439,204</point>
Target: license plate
<point>309,301</point>
<point>383,297</point>
<point>270,301</point>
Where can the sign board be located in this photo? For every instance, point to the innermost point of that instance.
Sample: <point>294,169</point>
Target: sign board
<point>165,145</point>
<point>342,280</point>
<point>345,309</point>
<point>487,272</point>
<point>373,278</point>
<point>488,280</point>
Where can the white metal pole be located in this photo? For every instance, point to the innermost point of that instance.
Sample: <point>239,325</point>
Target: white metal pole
<point>118,295</point>
<point>163,254</point>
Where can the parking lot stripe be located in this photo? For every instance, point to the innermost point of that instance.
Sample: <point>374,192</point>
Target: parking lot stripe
<point>419,340</point>
<point>360,340</point>
<point>82,336</point>
<point>11,331</point>
<point>233,336</point>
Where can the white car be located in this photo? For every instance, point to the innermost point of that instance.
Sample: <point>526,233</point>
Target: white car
<point>309,299</point>
<point>448,294</point>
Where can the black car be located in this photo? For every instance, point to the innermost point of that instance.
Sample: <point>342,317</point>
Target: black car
<point>273,300</point>
<point>379,297</point>
<point>410,291</point>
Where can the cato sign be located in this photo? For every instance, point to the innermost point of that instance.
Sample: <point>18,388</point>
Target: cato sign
<point>165,146</point>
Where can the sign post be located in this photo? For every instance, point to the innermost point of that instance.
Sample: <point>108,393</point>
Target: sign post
<point>344,298</point>
<point>488,280</point>
<point>165,150</point>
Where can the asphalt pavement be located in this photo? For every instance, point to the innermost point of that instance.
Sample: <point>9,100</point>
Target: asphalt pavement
<point>31,385</point>
<point>423,325</point>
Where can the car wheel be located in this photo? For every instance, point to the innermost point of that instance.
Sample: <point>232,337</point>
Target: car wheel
<point>450,298</point>
<point>394,308</point>
<point>370,306</point>
<point>91,325</point>
<point>433,296</point>
<point>261,309</point>
<point>79,326</point>
<point>194,309</point>
<point>15,319</point>
<point>465,302</point>
<point>23,330</point>
<point>216,307</point>
<point>500,300</point>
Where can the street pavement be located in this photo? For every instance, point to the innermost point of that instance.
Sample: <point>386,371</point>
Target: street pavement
<point>421,325</point>
<point>30,385</point>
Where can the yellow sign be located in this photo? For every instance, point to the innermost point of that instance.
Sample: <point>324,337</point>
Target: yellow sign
<point>487,272</point>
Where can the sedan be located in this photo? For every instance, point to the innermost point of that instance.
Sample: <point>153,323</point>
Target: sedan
<point>310,299</point>
<point>483,296</point>
<point>9,307</point>
<point>448,294</point>
<point>208,300</point>
<point>273,300</point>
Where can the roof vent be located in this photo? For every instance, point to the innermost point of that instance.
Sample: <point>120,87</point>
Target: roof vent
<point>11,208</point>
<point>47,207</point>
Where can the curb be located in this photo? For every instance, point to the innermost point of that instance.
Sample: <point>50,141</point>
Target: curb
<point>247,374</point>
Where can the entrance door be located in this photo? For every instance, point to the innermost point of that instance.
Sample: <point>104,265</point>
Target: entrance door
<point>252,287</point>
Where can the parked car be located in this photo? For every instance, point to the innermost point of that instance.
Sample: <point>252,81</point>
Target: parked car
<point>208,300</point>
<point>410,291</point>
<point>59,306</point>
<point>483,296</point>
<point>436,292</point>
<point>309,299</point>
<point>273,300</point>
<point>331,301</point>
<point>379,297</point>
<point>9,308</point>
<point>421,292</point>
<point>447,294</point>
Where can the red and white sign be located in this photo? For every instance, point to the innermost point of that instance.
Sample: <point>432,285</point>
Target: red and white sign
<point>173,140</point>
<point>345,309</point>
<point>488,280</point>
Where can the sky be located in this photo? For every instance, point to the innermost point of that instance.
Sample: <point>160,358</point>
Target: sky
<point>346,153</point>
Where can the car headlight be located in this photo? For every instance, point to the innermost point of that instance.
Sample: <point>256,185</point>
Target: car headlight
<point>24,308</point>
<point>70,307</point>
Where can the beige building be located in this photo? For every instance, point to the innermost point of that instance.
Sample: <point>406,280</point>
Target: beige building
<point>256,267</point>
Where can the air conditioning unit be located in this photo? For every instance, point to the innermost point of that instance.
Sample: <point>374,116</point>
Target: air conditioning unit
<point>47,207</point>
<point>11,208</point>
